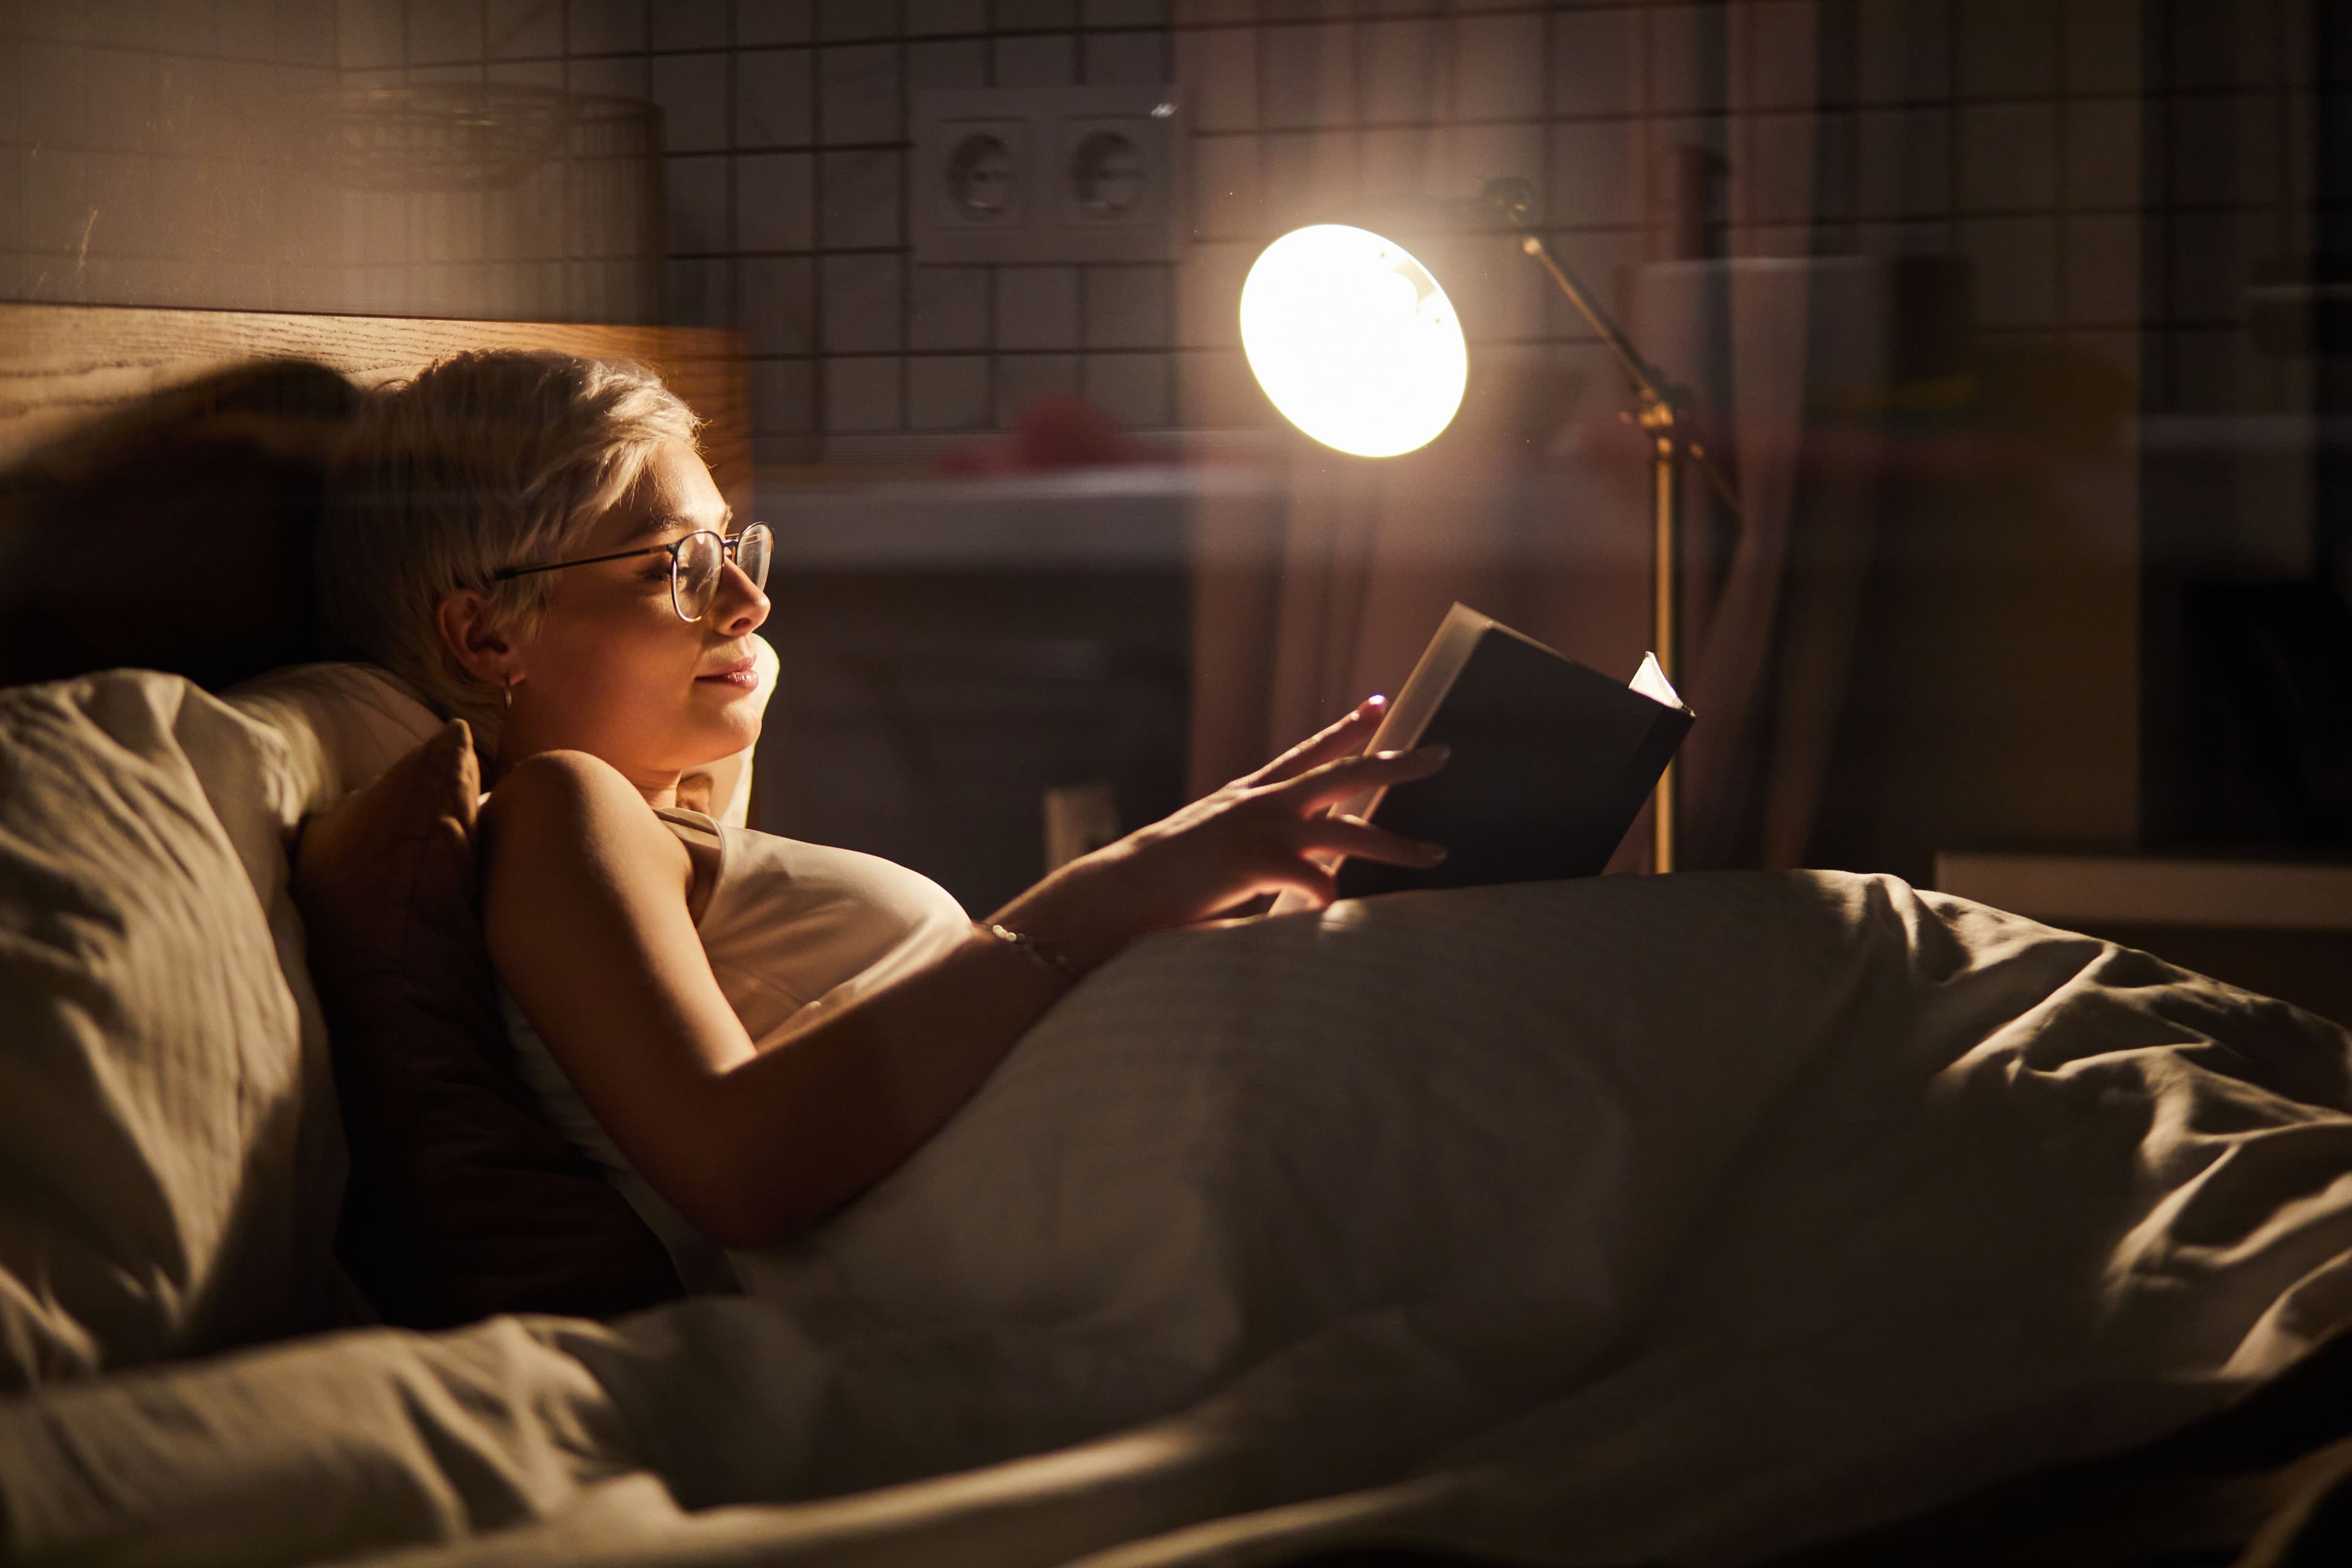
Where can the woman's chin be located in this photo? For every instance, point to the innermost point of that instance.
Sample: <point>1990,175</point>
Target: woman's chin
<point>725,733</point>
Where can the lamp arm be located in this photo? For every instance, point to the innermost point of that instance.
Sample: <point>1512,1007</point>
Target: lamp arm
<point>1662,416</point>
<point>1619,344</point>
<point>1660,412</point>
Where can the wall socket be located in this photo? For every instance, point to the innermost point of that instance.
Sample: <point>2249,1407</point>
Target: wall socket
<point>1069,174</point>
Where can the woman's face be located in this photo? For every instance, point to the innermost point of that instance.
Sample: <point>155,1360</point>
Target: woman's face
<point>611,671</point>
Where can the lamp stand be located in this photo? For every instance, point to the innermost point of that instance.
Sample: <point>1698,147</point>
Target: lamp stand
<point>1658,418</point>
<point>1661,416</point>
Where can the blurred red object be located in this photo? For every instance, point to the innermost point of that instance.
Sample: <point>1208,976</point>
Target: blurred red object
<point>1057,431</point>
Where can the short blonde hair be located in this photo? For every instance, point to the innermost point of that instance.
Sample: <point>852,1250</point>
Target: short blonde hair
<point>482,461</point>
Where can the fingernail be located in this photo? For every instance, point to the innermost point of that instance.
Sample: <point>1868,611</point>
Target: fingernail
<point>1432,853</point>
<point>1440,751</point>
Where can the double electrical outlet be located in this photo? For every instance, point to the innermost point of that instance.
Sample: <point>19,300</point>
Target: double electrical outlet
<point>1073,173</point>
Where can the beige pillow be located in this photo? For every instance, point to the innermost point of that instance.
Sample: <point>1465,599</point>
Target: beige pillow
<point>344,724</point>
<point>170,1159</point>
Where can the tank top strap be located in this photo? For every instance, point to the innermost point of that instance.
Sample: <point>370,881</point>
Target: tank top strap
<point>706,847</point>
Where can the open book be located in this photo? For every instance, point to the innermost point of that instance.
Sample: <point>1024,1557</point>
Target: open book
<point>1551,760</point>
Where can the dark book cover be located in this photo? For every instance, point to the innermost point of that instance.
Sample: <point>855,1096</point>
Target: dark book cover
<point>1551,760</point>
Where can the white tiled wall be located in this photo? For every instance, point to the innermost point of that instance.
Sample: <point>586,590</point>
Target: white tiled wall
<point>145,157</point>
<point>213,153</point>
<point>149,159</point>
<point>2013,132</point>
<point>796,177</point>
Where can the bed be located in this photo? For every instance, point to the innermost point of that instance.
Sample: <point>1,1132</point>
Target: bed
<point>1721,1218</point>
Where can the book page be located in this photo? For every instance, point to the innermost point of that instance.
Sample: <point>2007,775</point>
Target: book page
<point>1432,678</point>
<point>1416,702</point>
<point>1650,683</point>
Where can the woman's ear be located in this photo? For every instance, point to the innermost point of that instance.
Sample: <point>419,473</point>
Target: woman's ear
<point>463,619</point>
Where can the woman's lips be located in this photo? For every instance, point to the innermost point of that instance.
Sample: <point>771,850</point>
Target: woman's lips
<point>742,677</point>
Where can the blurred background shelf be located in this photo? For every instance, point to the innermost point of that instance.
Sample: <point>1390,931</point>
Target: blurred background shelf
<point>954,649</point>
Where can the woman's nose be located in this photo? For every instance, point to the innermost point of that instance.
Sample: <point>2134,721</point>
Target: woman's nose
<point>739,607</point>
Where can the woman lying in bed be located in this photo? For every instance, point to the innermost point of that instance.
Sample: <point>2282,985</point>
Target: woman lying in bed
<point>1735,1210</point>
<point>533,541</point>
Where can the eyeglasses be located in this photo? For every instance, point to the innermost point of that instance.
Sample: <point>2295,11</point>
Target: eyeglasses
<point>696,564</point>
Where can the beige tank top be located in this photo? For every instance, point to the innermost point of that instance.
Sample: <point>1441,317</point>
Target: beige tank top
<point>794,932</point>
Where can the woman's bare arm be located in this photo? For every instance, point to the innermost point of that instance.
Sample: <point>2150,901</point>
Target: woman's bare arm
<point>584,906</point>
<point>585,909</point>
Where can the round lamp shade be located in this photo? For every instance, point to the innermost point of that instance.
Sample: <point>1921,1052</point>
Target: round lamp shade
<point>1353,340</point>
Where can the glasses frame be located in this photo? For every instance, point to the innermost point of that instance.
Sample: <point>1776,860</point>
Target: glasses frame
<point>730,548</point>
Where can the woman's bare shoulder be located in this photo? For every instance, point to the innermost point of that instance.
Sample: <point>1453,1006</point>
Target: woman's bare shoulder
<point>571,807</point>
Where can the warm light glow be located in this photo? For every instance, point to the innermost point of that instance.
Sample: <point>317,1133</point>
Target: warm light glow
<point>1353,340</point>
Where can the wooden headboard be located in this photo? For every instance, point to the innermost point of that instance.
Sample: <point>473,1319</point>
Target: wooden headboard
<point>159,469</point>
<point>62,366</point>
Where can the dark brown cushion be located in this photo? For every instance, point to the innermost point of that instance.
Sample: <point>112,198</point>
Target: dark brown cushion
<point>464,1201</point>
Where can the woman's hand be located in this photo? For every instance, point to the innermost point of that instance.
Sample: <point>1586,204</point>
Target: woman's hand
<point>1267,832</point>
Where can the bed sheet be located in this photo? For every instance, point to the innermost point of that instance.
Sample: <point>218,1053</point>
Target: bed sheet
<point>1688,1219</point>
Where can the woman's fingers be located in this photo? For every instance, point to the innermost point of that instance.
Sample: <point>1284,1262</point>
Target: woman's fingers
<point>1306,877</point>
<point>1331,783</point>
<point>1332,837</point>
<point>1341,739</point>
<point>1333,741</point>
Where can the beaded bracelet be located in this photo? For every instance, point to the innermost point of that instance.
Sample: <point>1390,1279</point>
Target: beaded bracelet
<point>1037,948</point>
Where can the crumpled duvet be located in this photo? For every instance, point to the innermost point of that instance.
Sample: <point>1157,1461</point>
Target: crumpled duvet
<point>1683,1219</point>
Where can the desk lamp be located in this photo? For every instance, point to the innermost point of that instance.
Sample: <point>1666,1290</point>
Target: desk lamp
<point>1355,341</point>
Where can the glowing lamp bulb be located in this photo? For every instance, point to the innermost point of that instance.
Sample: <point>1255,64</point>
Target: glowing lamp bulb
<point>1353,340</point>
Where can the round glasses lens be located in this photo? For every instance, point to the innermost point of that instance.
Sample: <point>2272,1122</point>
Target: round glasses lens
<point>695,579</point>
<point>751,553</point>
